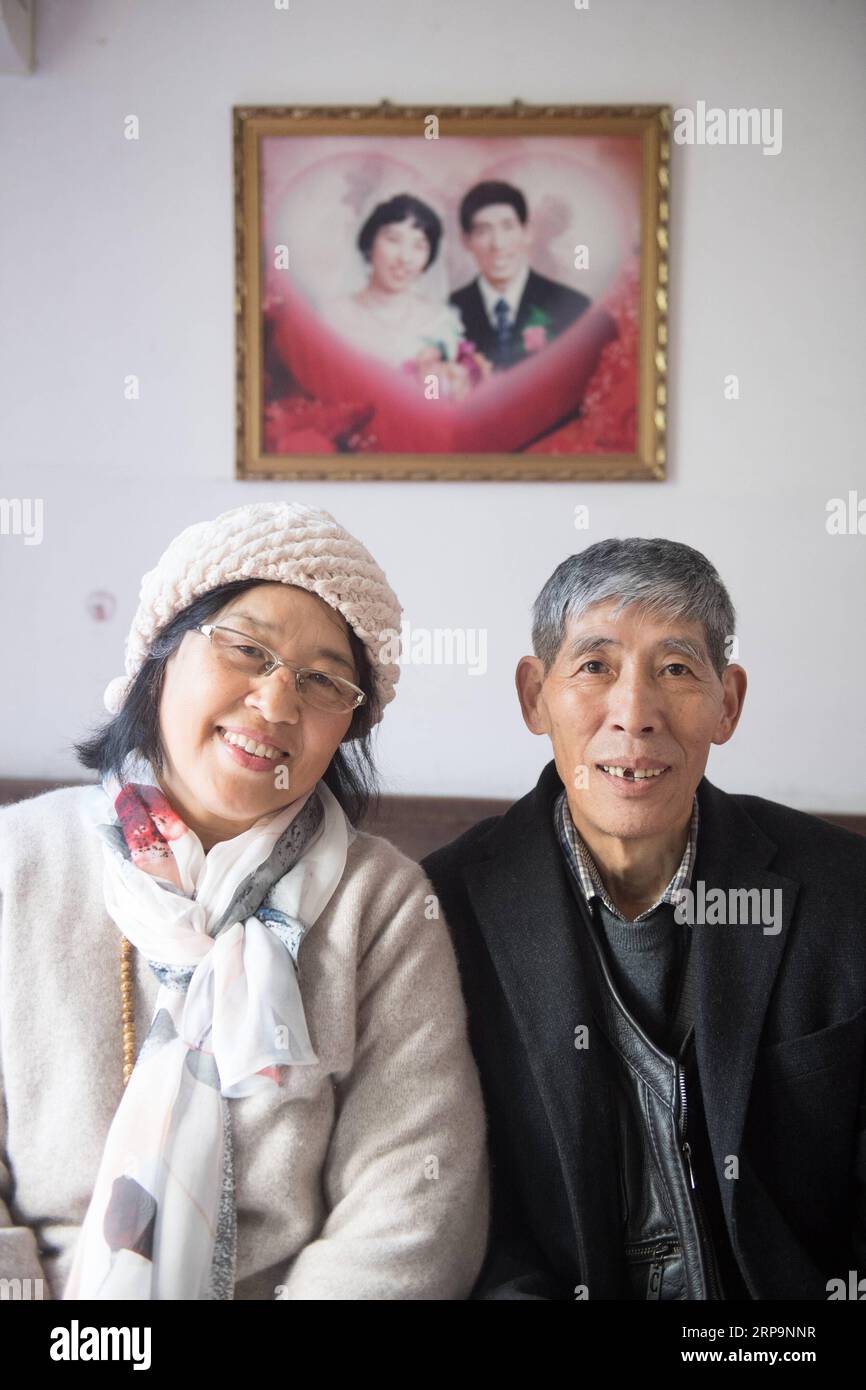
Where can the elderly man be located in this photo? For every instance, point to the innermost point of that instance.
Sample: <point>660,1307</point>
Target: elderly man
<point>666,983</point>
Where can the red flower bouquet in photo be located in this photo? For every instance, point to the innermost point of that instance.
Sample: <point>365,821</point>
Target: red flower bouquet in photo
<point>608,411</point>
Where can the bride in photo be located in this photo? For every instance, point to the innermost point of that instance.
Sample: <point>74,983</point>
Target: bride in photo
<point>389,318</point>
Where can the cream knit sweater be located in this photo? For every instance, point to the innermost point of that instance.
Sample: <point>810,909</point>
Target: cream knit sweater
<point>363,1177</point>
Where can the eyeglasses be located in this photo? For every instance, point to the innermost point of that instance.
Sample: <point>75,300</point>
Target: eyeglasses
<point>236,651</point>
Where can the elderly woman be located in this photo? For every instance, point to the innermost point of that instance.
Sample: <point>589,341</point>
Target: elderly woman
<point>234,1050</point>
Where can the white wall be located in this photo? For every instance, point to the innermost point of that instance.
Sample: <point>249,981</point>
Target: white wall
<point>117,257</point>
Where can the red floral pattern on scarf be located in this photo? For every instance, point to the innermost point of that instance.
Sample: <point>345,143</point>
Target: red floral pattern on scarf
<point>148,823</point>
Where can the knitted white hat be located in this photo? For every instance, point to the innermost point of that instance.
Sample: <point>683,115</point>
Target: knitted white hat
<point>283,541</point>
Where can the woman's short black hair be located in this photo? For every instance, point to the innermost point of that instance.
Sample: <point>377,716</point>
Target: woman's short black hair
<point>483,195</point>
<point>397,209</point>
<point>134,730</point>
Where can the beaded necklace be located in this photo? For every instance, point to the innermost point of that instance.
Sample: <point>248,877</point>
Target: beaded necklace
<point>127,993</point>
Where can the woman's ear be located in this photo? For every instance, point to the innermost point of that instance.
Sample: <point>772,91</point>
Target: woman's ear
<point>529,679</point>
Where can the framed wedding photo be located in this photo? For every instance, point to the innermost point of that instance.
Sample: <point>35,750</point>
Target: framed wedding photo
<point>455,292</point>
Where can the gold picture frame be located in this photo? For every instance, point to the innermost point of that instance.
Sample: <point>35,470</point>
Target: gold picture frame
<point>631,365</point>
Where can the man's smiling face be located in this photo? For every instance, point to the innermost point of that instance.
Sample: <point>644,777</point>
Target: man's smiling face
<point>499,241</point>
<point>631,705</point>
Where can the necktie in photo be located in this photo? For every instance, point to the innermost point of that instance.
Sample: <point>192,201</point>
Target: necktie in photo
<point>503,330</point>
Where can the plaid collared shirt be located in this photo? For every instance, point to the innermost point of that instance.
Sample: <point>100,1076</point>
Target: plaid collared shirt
<point>585,870</point>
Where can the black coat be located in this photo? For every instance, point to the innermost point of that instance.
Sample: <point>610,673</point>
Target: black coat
<point>561,304</point>
<point>780,1032</point>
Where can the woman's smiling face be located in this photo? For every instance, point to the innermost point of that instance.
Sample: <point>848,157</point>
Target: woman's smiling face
<point>219,790</point>
<point>399,254</point>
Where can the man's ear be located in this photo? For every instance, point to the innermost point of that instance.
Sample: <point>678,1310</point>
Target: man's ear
<point>529,679</point>
<point>734,682</point>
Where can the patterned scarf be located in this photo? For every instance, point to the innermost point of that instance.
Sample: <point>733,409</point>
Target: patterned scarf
<point>221,932</point>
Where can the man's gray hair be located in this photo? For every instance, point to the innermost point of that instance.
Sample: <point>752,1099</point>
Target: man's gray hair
<point>668,578</point>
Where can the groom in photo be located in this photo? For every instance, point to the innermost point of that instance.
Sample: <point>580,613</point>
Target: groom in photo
<point>508,310</point>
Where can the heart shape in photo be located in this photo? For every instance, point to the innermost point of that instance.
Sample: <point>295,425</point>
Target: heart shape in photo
<point>406,411</point>
<point>501,414</point>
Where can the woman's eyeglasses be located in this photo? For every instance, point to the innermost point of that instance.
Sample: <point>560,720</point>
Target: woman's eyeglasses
<point>236,651</point>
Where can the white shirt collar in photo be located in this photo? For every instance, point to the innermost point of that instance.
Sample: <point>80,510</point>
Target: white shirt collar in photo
<point>512,295</point>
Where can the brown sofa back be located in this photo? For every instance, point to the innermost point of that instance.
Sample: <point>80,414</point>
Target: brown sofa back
<point>416,824</point>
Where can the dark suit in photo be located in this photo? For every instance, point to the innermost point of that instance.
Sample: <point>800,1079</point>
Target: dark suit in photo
<point>559,303</point>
